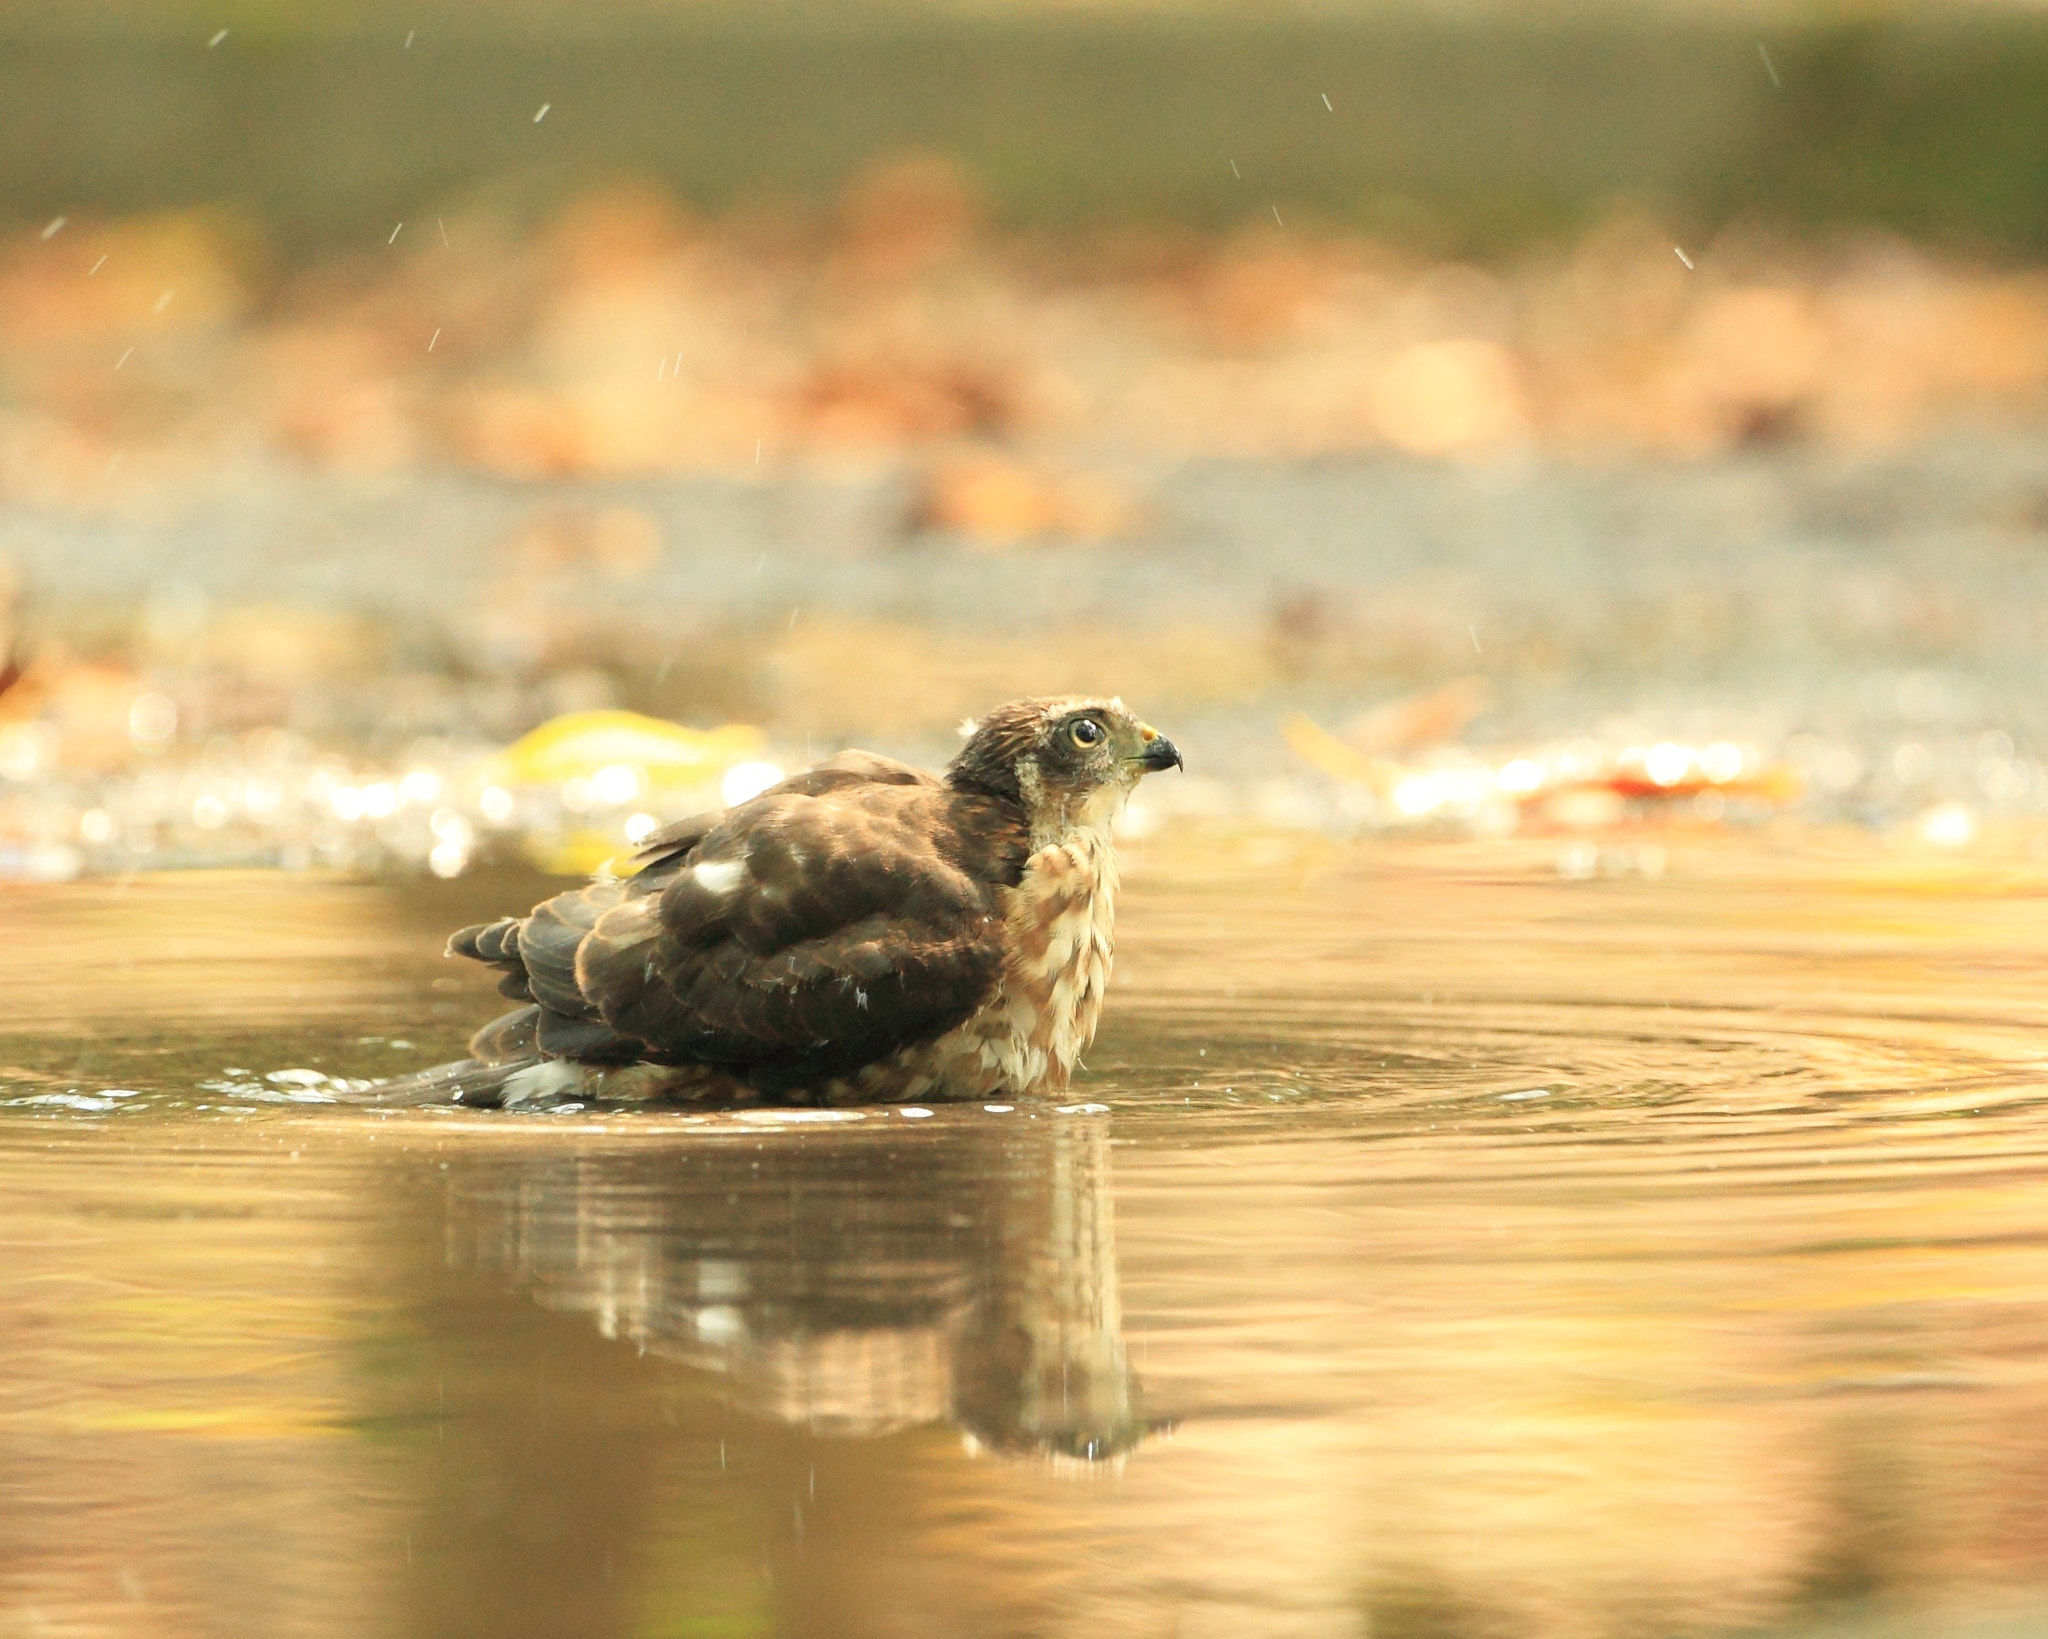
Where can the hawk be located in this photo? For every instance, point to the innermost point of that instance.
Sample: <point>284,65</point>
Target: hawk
<point>864,932</point>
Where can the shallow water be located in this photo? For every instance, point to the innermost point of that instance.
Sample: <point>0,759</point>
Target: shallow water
<point>1436,1247</point>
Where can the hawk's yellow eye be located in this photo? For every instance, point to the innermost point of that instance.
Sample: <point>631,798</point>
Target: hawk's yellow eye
<point>1086,732</point>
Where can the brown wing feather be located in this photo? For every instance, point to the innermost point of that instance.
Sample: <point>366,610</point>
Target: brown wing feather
<point>844,913</point>
<point>674,843</point>
<point>813,934</point>
<point>536,953</point>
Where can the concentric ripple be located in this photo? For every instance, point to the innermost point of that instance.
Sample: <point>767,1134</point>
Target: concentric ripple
<point>1433,1246</point>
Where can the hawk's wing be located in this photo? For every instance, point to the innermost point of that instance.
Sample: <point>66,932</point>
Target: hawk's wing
<point>808,932</point>
<point>674,842</point>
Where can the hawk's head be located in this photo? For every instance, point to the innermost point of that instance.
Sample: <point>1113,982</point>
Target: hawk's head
<point>1070,761</point>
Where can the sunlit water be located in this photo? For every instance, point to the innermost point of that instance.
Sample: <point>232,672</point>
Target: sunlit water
<point>1435,1247</point>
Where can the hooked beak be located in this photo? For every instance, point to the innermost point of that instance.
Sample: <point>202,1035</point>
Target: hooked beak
<point>1159,752</point>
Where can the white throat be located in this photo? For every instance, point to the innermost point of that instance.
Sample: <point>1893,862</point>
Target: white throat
<point>1061,819</point>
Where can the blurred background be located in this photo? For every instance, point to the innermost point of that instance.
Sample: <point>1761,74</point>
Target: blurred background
<point>1456,419</point>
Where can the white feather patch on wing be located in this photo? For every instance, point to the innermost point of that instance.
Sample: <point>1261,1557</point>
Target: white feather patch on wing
<point>720,876</point>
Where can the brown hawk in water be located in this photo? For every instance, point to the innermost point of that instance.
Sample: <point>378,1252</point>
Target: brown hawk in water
<point>864,932</point>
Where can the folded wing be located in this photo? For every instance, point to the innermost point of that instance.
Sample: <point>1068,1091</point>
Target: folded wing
<point>843,914</point>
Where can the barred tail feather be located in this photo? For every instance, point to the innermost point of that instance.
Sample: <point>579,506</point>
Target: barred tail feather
<point>466,1081</point>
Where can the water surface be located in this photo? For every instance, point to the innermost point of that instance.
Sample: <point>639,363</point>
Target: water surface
<point>1435,1247</point>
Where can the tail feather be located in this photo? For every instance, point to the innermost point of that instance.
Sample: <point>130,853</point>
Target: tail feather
<point>466,1081</point>
<point>509,1038</point>
<point>476,1085</point>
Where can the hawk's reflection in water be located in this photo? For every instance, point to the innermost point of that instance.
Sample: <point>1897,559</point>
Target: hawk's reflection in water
<point>854,1279</point>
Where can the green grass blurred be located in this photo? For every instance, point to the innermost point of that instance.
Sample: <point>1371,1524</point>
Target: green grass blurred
<point>1474,133</point>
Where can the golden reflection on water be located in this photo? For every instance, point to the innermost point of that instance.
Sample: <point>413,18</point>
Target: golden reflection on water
<point>1463,1252</point>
